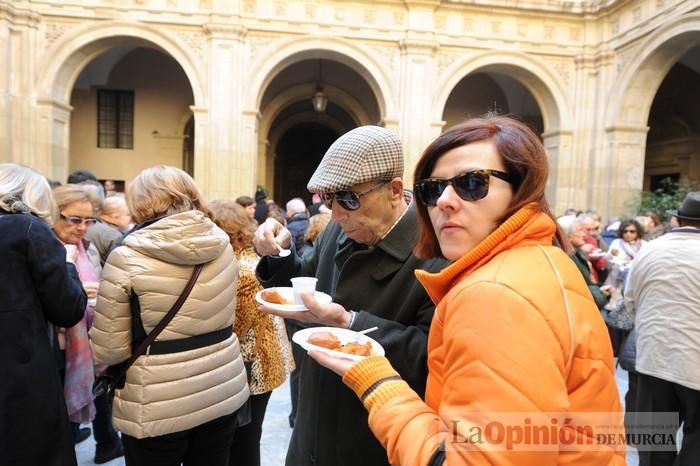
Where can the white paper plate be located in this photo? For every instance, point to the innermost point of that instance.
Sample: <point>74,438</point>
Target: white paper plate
<point>344,335</point>
<point>288,294</point>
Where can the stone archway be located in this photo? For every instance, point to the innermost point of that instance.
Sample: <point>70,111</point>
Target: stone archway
<point>548,92</point>
<point>631,100</point>
<point>283,106</point>
<point>68,56</point>
<point>259,116</point>
<point>287,52</point>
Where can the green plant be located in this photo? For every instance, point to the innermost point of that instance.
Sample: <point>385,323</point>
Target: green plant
<point>668,197</point>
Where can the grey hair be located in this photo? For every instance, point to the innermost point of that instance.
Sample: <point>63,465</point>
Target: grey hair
<point>23,190</point>
<point>295,205</point>
<point>113,204</point>
<point>587,217</point>
<point>96,192</point>
<point>579,221</point>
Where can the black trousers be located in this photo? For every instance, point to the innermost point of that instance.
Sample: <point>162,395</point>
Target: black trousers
<point>102,429</point>
<point>205,445</point>
<point>298,354</point>
<point>245,449</point>
<point>658,395</point>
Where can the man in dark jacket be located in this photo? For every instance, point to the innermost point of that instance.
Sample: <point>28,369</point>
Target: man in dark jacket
<point>364,261</point>
<point>297,222</point>
<point>261,207</point>
<point>576,231</point>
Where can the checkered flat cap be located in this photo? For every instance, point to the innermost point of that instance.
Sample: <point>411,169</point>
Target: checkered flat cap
<point>364,154</point>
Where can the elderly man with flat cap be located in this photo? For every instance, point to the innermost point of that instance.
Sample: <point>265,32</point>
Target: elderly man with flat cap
<point>663,293</point>
<point>364,261</point>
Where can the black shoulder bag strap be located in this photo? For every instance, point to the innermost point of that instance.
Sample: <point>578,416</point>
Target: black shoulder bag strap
<point>143,346</point>
<point>113,379</point>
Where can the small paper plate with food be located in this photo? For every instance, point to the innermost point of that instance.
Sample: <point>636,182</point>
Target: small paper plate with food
<point>338,342</point>
<point>282,299</point>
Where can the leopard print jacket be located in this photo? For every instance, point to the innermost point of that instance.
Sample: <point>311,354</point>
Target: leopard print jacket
<point>263,338</point>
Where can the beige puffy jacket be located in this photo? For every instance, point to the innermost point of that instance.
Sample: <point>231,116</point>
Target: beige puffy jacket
<point>168,393</point>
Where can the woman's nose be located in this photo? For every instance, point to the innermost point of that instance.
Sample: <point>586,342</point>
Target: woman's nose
<point>448,199</point>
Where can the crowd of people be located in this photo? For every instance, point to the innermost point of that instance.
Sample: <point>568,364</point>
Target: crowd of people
<point>483,301</point>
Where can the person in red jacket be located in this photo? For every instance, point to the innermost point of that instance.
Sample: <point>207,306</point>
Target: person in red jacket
<point>516,341</point>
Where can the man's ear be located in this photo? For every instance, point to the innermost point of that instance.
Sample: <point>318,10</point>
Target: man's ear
<point>396,185</point>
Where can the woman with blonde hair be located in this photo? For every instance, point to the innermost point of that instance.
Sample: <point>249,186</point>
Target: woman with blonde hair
<point>264,343</point>
<point>40,289</point>
<point>180,399</point>
<point>517,343</point>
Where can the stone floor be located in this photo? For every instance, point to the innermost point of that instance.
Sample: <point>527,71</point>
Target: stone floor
<point>276,431</point>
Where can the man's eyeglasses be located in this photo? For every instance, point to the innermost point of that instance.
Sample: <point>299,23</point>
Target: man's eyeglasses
<point>75,220</point>
<point>470,185</point>
<point>348,200</point>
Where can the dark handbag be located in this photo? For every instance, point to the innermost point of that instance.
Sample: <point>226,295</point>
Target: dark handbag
<point>115,376</point>
<point>244,416</point>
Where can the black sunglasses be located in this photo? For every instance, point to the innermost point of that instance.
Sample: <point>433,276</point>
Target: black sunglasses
<point>75,220</point>
<point>470,185</point>
<point>348,200</point>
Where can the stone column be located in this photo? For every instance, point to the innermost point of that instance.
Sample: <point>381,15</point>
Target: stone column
<point>50,155</point>
<point>416,128</point>
<point>619,181</point>
<point>264,177</point>
<point>562,173</point>
<point>220,169</point>
<point>5,107</point>
<point>253,157</point>
<point>201,147</point>
<point>18,38</point>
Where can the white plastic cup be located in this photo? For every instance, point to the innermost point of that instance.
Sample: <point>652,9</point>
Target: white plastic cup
<point>302,285</point>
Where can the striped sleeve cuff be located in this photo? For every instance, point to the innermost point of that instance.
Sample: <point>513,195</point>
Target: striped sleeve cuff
<point>374,382</point>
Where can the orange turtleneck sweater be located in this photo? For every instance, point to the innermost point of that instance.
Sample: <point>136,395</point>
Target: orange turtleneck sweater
<point>501,340</point>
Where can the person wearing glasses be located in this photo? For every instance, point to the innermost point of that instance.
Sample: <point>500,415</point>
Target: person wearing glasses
<point>515,330</point>
<point>624,249</point>
<point>363,260</point>
<point>78,206</point>
<point>39,290</point>
<point>76,214</point>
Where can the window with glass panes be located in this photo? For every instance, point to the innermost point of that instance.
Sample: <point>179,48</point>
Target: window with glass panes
<point>115,119</point>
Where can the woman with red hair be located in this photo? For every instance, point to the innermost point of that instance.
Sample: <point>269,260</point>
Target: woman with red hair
<point>516,341</point>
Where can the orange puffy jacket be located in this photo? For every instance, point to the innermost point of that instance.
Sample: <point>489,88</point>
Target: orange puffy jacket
<point>501,342</point>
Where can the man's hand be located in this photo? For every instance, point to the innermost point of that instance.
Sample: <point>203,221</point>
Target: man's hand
<point>269,236</point>
<point>330,315</point>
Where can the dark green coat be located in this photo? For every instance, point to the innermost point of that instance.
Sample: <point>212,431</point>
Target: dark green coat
<point>379,283</point>
<point>581,261</point>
